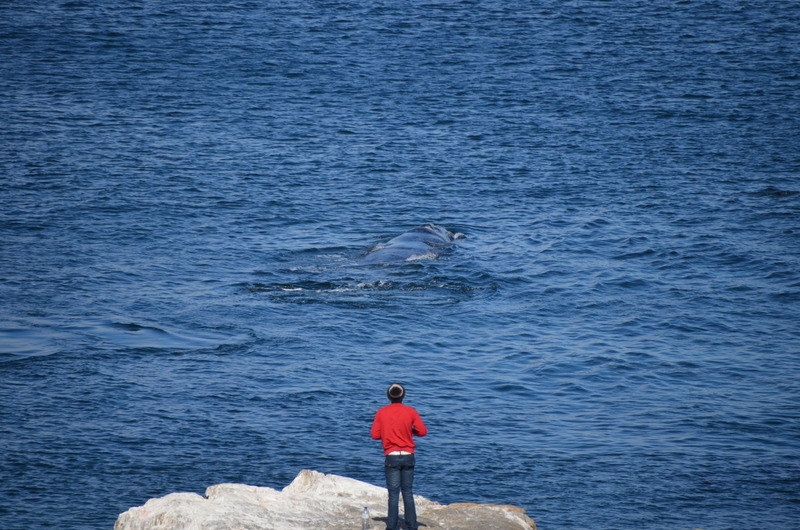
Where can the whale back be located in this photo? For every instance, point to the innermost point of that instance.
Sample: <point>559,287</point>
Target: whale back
<point>422,242</point>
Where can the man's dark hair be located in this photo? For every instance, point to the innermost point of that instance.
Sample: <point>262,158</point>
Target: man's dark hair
<point>396,393</point>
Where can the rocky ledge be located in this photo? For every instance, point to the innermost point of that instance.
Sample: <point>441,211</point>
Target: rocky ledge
<point>313,500</point>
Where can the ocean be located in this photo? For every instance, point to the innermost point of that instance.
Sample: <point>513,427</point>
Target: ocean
<point>186,189</point>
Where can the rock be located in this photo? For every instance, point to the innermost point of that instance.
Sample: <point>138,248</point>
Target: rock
<point>312,501</point>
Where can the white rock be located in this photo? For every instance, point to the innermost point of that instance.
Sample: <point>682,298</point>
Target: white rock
<point>313,500</point>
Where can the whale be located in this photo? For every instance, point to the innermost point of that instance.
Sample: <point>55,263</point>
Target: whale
<point>426,241</point>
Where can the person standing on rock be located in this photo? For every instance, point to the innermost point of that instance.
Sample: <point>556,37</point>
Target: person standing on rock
<point>396,425</point>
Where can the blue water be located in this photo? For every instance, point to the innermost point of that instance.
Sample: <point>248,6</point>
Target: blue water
<point>185,189</point>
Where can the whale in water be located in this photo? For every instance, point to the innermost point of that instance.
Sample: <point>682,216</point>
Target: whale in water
<point>426,241</point>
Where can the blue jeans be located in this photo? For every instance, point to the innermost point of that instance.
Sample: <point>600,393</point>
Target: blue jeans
<point>400,478</point>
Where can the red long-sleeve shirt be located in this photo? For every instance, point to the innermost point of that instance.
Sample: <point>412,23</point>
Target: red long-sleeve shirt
<point>395,425</point>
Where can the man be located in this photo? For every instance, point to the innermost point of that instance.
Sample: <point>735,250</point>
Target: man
<point>395,425</point>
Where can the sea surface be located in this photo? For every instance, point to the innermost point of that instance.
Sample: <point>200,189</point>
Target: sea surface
<point>186,188</point>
